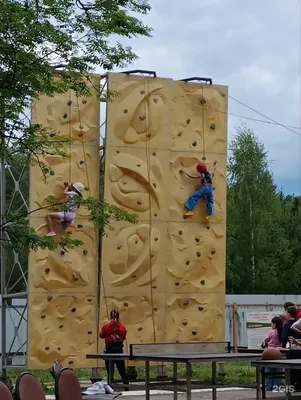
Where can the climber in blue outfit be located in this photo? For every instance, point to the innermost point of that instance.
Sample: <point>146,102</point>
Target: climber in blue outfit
<point>206,190</point>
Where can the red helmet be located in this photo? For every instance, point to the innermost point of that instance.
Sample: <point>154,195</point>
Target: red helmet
<point>201,167</point>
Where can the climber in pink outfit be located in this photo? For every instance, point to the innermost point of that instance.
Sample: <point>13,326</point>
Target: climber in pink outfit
<point>68,216</point>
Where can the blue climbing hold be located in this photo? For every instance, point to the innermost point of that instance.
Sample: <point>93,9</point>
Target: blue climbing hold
<point>52,172</point>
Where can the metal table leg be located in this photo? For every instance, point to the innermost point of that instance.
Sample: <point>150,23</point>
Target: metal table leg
<point>110,377</point>
<point>175,380</point>
<point>213,380</point>
<point>147,380</point>
<point>188,380</point>
<point>258,391</point>
<point>288,394</point>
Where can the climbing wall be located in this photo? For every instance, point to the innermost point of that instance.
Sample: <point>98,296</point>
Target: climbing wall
<point>166,274</point>
<point>62,304</point>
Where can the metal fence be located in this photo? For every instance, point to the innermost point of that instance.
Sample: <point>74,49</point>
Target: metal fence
<point>237,307</point>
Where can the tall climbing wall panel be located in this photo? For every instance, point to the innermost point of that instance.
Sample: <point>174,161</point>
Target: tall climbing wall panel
<point>166,274</point>
<point>62,305</point>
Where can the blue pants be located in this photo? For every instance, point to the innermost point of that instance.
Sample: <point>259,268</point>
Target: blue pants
<point>203,191</point>
<point>271,383</point>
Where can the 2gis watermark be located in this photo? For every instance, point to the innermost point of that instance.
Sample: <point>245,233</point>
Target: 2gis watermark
<point>283,388</point>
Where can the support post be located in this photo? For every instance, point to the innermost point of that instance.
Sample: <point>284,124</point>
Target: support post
<point>235,328</point>
<point>3,271</point>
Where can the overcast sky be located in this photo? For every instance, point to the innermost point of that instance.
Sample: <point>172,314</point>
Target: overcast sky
<point>251,46</point>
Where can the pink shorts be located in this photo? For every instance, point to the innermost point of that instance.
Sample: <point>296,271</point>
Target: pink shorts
<point>66,216</point>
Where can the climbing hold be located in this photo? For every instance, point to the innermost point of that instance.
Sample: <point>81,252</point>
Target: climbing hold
<point>180,232</point>
<point>125,304</point>
<point>136,241</point>
<point>49,298</point>
<point>69,103</point>
<point>154,153</point>
<point>47,270</point>
<point>75,277</point>
<point>80,226</point>
<point>201,308</point>
<point>208,227</point>
<point>61,326</point>
<point>149,135</point>
<point>59,349</point>
<point>90,332</point>
<point>154,185</point>
<point>140,329</point>
<point>81,127</point>
<point>138,165</point>
<point>203,282</point>
<point>69,232</point>
<point>62,252</point>
<point>47,348</point>
<point>184,323</point>
<point>43,316</point>
<point>80,134</point>
<point>119,247</point>
<point>134,276</point>
<point>184,216</point>
<point>180,133</point>
<point>155,309</point>
<point>89,300</point>
<point>124,182</point>
<point>198,254</point>
<point>84,101</point>
<point>117,151</point>
<point>81,162</point>
<point>125,111</point>
<point>203,101</point>
<point>194,333</point>
<point>154,287</point>
<point>177,283</point>
<point>186,302</point>
<point>188,121</point>
<point>71,362</point>
<point>73,309</point>
<point>139,202</point>
<point>212,126</point>
<point>194,143</point>
<point>142,117</point>
<point>65,115</point>
<point>155,215</point>
<point>156,239</point>
<point>213,251</point>
<point>85,252</point>
<point>52,172</point>
<point>142,91</point>
<point>155,100</point>
<point>187,262</point>
<point>52,134</point>
<point>204,158</point>
<point>197,239</point>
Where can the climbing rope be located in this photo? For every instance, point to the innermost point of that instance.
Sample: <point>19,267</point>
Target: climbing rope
<point>147,157</point>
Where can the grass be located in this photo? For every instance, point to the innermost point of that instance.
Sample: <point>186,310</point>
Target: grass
<point>236,373</point>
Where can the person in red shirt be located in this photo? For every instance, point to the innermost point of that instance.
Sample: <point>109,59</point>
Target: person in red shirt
<point>114,334</point>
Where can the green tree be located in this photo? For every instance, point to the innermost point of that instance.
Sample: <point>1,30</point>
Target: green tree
<point>45,39</point>
<point>258,253</point>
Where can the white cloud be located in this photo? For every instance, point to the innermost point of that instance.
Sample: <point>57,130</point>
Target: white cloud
<point>254,47</point>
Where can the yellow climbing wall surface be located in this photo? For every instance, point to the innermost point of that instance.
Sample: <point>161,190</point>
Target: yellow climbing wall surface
<point>166,274</point>
<point>62,304</point>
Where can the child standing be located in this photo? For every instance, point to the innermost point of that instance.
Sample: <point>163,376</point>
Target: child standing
<point>206,190</point>
<point>68,216</point>
<point>274,339</point>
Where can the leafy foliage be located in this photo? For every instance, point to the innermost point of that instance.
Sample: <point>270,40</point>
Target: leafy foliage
<point>263,251</point>
<point>50,47</point>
